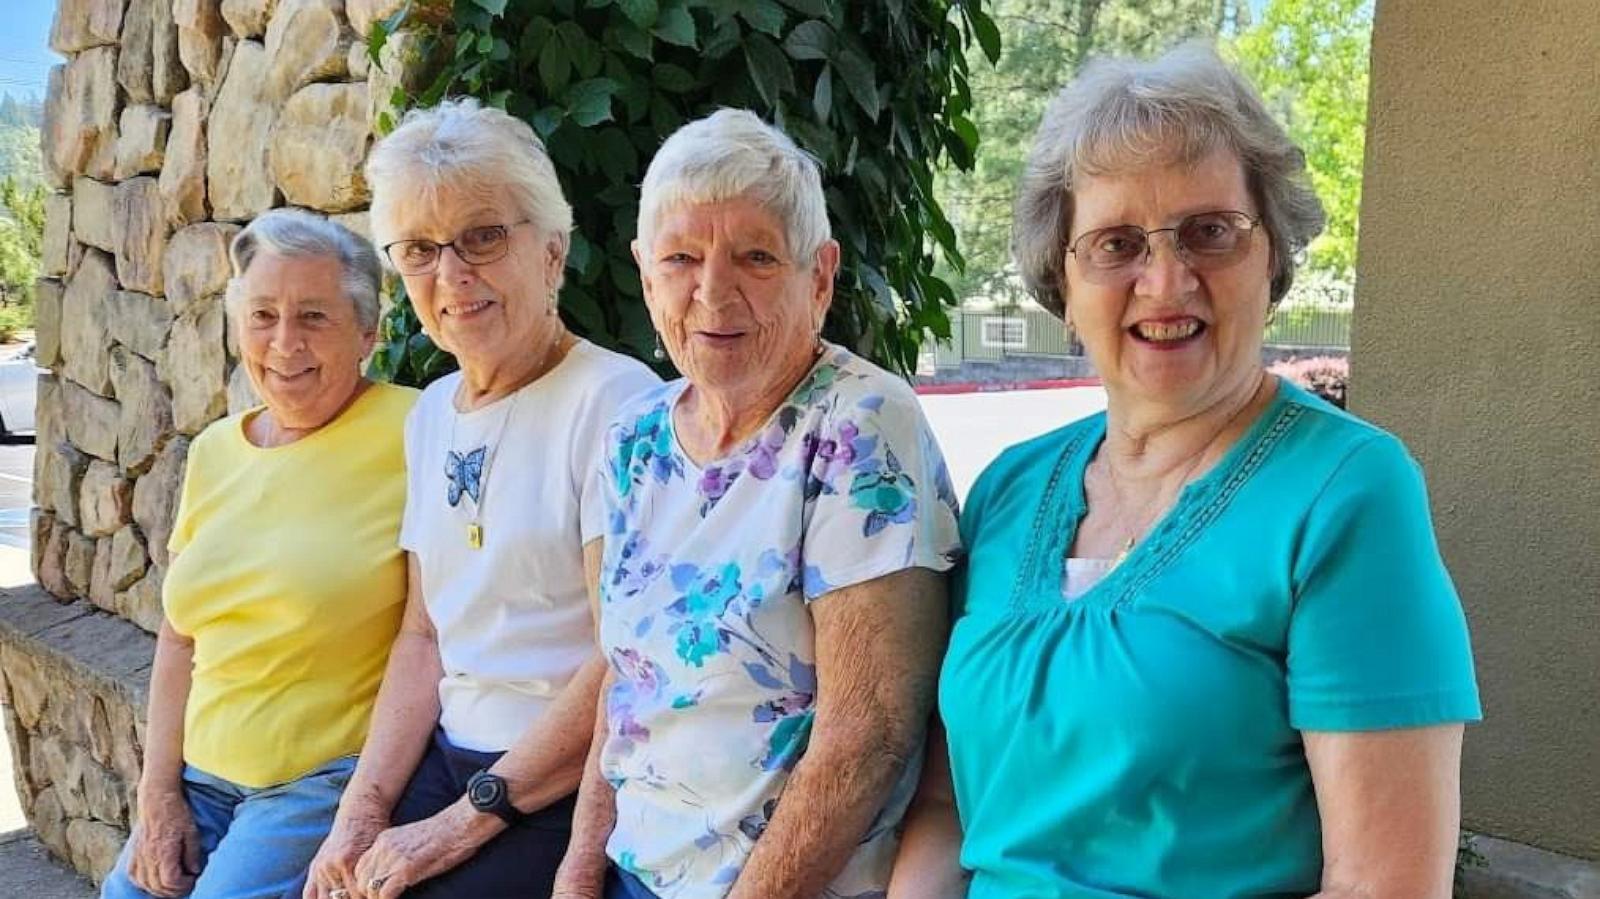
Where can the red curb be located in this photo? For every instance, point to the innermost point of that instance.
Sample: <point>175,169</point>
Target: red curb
<point>1003,386</point>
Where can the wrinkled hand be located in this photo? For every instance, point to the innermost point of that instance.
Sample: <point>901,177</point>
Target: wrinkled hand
<point>403,857</point>
<point>334,867</point>
<point>581,876</point>
<point>166,845</point>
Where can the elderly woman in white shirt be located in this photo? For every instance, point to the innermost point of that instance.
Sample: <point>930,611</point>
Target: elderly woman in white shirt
<point>465,786</point>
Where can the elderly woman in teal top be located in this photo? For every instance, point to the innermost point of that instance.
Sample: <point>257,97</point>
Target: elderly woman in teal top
<point>772,597</point>
<point>1204,645</point>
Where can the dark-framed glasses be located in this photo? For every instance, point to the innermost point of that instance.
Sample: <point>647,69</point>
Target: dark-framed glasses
<point>474,246</point>
<point>1205,241</point>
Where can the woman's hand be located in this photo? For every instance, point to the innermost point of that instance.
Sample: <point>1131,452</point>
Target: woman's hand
<point>582,875</point>
<point>403,857</point>
<point>166,844</point>
<point>334,867</point>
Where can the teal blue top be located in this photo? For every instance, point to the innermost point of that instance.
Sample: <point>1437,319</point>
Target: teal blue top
<point>1144,739</point>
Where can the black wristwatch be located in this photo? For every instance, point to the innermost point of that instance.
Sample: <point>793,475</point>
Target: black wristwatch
<point>489,794</point>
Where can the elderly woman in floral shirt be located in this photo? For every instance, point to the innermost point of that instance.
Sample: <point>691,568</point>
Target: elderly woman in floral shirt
<point>773,599</point>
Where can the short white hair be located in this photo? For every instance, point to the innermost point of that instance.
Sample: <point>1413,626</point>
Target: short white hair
<point>302,235</point>
<point>733,154</point>
<point>462,146</point>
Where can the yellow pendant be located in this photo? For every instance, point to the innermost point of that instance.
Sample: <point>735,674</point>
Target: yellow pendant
<point>474,536</point>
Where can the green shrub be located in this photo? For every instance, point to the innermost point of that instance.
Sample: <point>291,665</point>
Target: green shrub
<point>877,91</point>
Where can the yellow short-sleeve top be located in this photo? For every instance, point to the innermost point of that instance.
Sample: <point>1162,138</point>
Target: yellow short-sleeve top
<point>291,583</point>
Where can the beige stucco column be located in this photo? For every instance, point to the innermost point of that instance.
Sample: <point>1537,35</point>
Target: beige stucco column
<point>1477,339</point>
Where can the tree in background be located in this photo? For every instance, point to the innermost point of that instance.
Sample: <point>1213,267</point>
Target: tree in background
<point>1046,42</point>
<point>1310,59</point>
<point>878,92</point>
<point>22,194</point>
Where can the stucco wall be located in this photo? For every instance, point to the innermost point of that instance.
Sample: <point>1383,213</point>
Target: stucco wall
<point>1477,339</point>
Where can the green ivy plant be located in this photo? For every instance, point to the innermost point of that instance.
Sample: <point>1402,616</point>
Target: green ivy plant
<point>877,91</point>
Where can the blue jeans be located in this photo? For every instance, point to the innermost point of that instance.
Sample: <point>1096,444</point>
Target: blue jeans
<point>253,843</point>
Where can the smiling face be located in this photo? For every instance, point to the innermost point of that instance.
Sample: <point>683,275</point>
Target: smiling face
<point>299,338</point>
<point>489,313</point>
<point>1169,334</point>
<point>737,312</point>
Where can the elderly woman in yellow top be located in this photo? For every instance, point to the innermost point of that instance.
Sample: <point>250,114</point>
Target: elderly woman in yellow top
<point>773,596</point>
<point>286,585</point>
<point>1205,644</point>
<point>465,786</point>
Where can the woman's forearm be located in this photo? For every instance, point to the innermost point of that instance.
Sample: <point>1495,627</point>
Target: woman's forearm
<point>596,812</point>
<point>928,864</point>
<point>546,763</point>
<point>830,801</point>
<point>170,678</point>
<point>406,711</point>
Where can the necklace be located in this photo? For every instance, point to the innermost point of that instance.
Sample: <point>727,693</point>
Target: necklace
<point>1161,506</point>
<point>467,474</point>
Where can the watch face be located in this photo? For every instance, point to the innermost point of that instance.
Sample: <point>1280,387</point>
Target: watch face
<point>485,790</point>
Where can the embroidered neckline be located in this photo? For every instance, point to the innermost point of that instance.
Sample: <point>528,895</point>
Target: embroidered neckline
<point>1056,520</point>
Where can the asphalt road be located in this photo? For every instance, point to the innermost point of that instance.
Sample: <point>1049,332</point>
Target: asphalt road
<point>16,489</point>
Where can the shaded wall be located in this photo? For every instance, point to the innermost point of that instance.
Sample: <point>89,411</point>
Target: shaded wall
<point>1477,339</point>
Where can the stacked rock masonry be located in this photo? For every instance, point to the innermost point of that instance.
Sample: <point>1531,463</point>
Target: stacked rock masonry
<point>170,126</point>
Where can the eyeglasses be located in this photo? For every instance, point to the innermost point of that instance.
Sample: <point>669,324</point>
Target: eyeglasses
<point>474,246</point>
<point>1205,241</point>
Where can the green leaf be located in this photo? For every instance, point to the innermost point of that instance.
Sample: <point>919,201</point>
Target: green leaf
<point>676,26</point>
<point>615,155</point>
<point>814,8</point>
<point>555,66</point>
<point>860,80</point>
<point>642,13</point>
<point>492,7</point>
<point>669,77</point>
<point>987,33</point>
<point>769,68</point>
<point>968,132</point>
<point>764,15</point>
<point>809,40</point>
<point>546,121</point>
<point>632,39</point>
<point>727,37</point>
<point>822,96</point>
<point>589,102</point>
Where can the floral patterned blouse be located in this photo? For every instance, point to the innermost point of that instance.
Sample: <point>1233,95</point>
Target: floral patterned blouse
<point>705,617</point>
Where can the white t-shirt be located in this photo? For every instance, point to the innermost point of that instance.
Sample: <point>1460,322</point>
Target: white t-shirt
<point>512,614</point>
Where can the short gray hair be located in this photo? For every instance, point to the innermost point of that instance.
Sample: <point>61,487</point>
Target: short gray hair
<point>729,154</point>
<point>463,146</point>
<point>1123,114</point>
<point>297,234</point>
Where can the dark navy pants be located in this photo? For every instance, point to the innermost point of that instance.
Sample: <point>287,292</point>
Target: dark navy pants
<point>519,863</point>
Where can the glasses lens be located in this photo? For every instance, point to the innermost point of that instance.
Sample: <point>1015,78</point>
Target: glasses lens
<point>1213,238</point>
<point>1110,249</point>
<point>482,244</point>
<point>413,257</point>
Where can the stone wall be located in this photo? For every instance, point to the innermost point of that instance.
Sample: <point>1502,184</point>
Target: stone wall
<point>171,124</point>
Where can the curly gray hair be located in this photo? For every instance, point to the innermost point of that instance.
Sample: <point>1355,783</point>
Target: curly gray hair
<point>1120,115</point>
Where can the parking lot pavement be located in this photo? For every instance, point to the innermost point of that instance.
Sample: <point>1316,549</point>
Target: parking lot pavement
<point>973,428</point>
<point>16,493</point>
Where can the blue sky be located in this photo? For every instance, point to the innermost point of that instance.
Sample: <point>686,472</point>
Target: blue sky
<point>25,55</point>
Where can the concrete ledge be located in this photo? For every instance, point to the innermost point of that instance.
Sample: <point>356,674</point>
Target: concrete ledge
<point>75,681</point>
<point>30,871</point>
<point>1517,871</point>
